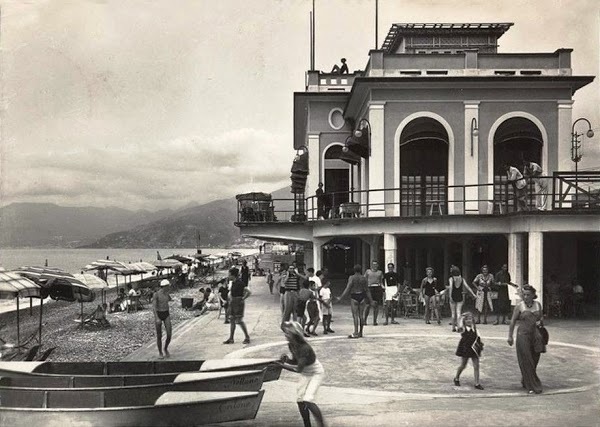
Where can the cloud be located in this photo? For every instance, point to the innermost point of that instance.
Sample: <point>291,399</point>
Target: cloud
<point>154,175</point>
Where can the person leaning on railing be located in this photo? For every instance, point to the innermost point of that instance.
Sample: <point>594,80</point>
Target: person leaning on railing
<point>515,177</point>
<point>534,171</point>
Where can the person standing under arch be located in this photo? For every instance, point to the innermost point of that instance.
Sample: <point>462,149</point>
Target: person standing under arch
<point>374,278</point>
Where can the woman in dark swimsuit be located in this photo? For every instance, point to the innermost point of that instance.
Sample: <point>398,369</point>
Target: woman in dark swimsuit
<point>430,292</point>
<point>359,291</point>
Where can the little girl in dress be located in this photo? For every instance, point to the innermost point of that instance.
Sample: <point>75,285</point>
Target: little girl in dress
<point>469,347</point>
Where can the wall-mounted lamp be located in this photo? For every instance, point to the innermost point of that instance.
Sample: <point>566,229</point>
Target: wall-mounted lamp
<point>474,132</point>
<point>358,133</point>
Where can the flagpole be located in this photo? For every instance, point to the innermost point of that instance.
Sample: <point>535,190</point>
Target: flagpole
<point>376,22</point>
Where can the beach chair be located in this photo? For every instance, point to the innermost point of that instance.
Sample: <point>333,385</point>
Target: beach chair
<point>134,303</point>
<point>45,355</point>
<point>410,305</point>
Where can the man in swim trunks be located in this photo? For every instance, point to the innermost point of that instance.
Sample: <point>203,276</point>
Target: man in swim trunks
<point>237,296</point>
<point>374,278</point>
<point>393,282</point>
<point>359,291</point>
<point>160,305</point>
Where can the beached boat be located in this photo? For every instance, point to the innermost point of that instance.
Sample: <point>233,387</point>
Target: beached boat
<point>95,408</point>
<point>93,374</point>
<point>187,381</point>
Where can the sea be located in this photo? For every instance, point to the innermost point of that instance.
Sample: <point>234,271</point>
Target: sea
<point>74,260</point>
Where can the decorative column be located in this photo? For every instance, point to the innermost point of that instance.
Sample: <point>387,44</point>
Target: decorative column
<point>536,263</point>
<point>374,250</point>
<point>376,160</point>
<point>390,248</point>
<point>314,172</point>
<point>471,156</point>
<point>363,172</point>
<point>466,260</point>
<point>515,264</point>
<point>317,253</point>
<point>565,121</point>
<point>446,273</point>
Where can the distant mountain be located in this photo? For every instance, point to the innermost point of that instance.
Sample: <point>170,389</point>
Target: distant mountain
<point>213,222</point>
<point>50,225</point>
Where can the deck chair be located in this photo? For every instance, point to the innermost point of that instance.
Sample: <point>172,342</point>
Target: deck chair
<point>46,354</point>
<point>410,305</point>
<point>31,353</point>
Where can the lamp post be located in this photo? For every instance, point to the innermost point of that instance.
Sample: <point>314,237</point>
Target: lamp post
<point>576,148</point>
<point>474,132</point>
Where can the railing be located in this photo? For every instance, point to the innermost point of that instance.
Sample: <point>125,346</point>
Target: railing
<point>432,197</point>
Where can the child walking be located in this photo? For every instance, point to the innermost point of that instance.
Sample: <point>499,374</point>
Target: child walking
<point>469,347</point>
<point>326,306</point>
<point>314,311</point>
<point>303,361</point>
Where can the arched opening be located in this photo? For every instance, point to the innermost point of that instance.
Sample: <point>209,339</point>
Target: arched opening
<point>516,140</point>
<point>336,176</point>
<point>423,168</point>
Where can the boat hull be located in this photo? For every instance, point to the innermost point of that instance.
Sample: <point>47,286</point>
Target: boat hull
<point>179,409</point>
<point>188,381</point>
<point>94,374</point>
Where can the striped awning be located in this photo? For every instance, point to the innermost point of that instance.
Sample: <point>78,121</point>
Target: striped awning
<point>13,285</point>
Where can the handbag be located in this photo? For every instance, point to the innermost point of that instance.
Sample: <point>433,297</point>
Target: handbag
<point>544,333</point>
<point>477,346</point>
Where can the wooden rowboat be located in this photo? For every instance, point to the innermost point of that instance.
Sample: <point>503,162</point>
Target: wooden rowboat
<point>94,374</point>
<point>92,408</point>
<point>187,381</point>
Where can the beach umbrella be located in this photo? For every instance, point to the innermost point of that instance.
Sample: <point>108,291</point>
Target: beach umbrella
<point>166,263</point>
<point>106,265</point>
<point>57,284</point>
<point>12,285</point>
<point>92,282</point>
<point>181,258</point>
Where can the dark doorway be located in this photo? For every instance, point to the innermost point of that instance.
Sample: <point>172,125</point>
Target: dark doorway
<point>423,168</point>
<point>337,185</point>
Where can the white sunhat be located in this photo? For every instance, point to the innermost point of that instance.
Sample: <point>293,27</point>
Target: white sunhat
<point>164,282</point>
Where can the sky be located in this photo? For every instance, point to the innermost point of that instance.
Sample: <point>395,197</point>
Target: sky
<point>159,104</point>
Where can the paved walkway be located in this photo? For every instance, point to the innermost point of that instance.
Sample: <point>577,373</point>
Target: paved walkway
<point>402,374</point>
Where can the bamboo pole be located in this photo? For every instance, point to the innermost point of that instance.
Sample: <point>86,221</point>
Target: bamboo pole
<point>18,325</point>
<point>41,310</point>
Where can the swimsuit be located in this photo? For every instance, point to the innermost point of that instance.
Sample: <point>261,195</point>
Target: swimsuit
<point>162,315</point>
<point>358,296</point>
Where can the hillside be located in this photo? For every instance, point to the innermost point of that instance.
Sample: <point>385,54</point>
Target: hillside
<point>50,225</point>
<point>213,222</point>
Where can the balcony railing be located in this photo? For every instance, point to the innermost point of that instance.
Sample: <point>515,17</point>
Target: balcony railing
<point>564,191</point>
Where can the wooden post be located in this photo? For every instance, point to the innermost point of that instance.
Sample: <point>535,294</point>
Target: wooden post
<point>81,302</point>
<point>18,325</point>
<point>30,306</point>
<point>40,327</point>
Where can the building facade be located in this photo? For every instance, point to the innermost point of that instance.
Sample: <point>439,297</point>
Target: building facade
<point>412,153</point>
